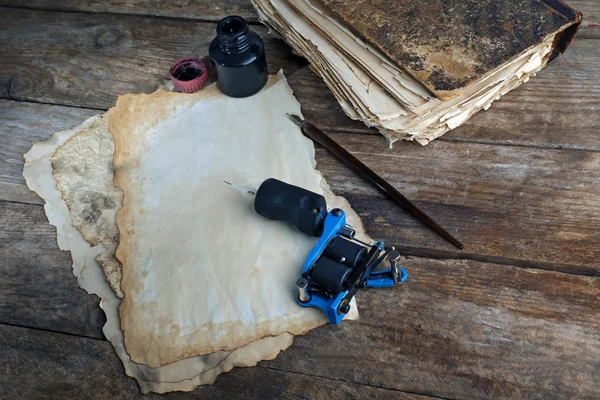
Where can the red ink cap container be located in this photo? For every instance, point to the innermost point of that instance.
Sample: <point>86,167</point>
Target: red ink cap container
<point>189,74</point>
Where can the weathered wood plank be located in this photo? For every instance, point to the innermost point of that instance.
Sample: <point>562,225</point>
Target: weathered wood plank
<point>464,329</point>
<point>37,288</point>
<point>558,108</point>
<point>530,206</point>
<point>22,124</point>
<point>87,60</point>
<point>508,204</point>
<point>590,10</point>
<point>207,10</point>
<point>203,10</point>
<point>44,365</point>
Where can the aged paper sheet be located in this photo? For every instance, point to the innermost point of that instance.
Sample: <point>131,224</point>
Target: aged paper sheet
<point>88,149</point>
<point>183,375</point>
<point>202,272</point>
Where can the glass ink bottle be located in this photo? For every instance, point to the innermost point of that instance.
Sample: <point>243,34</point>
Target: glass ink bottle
<point>238,56</point>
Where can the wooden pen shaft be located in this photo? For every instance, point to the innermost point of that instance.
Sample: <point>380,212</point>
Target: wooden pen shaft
<point>362,170</point>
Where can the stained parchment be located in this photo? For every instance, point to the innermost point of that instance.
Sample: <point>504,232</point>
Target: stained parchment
<point>183,375</point>
<point>84,141</point>
<point>83,169</point>
<point>202,272</point>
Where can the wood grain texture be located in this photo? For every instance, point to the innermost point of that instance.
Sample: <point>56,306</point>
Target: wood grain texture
<point>45,365</point>
<point>202,10</point>
<point>457,329</point>
<point>22,124</point>
<point>87,60</point>
<point>468,330</point>
<point>531,206</point>
<point>37,288</point>
<point>206,10</point>
<point>591,13</point>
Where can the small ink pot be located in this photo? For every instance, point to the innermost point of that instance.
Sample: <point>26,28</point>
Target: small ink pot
<point>238,55</point>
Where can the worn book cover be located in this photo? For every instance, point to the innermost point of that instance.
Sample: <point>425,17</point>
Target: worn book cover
<point>450,44</point>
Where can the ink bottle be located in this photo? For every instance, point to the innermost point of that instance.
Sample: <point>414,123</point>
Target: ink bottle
<point>238,56</point>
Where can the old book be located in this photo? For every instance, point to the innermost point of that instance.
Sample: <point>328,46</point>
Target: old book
<point>450,44</point>
<point>415,69</point>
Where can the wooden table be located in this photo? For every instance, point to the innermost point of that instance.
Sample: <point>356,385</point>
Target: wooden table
<point>516,314</point>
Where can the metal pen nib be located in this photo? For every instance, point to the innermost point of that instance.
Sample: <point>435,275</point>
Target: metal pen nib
<point>297,120</point>
<point>242,189</point>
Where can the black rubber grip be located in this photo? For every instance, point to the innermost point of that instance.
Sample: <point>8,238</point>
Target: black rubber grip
<point>281,201</point>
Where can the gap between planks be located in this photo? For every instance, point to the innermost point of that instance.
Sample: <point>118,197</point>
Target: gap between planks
<point>568,269</point>
<point>16,99</point>
<point>451,139</point>
<point>101,339</point>
<point>264,367</point>
<point>352,382</point>
<point>251,20</point>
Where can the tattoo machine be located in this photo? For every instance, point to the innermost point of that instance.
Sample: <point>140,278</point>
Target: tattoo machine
<point>339,265</point>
